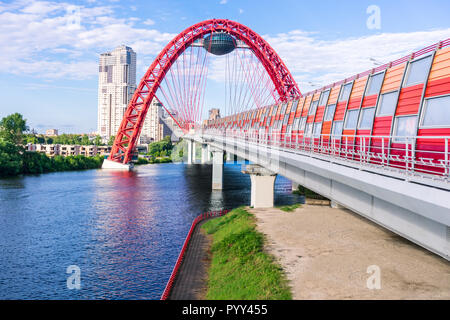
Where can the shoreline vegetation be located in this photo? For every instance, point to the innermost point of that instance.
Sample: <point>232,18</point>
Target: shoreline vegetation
<point>240,268</point>
<point>142,160</point>
<point>36,163</point>
<point>15,160</point>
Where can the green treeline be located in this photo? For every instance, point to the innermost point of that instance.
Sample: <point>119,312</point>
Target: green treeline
<point>161,148</point>
<point>159,152</point>
<point>75,139</point>
<point>14,159</point>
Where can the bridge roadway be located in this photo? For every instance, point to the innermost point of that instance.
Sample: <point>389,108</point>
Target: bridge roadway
<point>416,211</point>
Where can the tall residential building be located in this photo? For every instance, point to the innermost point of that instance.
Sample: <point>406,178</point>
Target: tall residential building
<point>154,129</point>
<point>116,85</point>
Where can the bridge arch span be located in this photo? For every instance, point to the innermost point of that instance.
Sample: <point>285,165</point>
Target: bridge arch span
<point>136,111</point>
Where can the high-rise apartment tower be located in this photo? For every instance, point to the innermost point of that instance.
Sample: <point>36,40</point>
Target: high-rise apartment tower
<point>116,85</point>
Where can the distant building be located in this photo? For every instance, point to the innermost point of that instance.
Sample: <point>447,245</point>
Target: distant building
<point>68,150</point>
<point>154,128</point>
<point>214,114</point>
<point>88,151</point>
<point>51,132</point>
<point>49,149</point>
<point>116,85</point>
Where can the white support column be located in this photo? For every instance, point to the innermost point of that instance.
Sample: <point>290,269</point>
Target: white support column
<point>229,157</point>
<point>204,153</point>
<point>294,186</point>
<point>263,181</point>
<point>209,153</point>
<point>194,153</point>
<point>217,169</point>
<point>190,147</point>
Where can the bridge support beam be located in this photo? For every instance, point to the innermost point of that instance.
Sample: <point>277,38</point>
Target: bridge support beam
<point>263,181</point>
<point>229,157</point>
<point>204,153</point>
<point>190,145</point>
<point>217,169</point>
<point>294,186</point>
<point>208,158</point>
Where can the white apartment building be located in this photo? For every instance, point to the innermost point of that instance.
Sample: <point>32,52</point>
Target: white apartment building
<point>116,85</point>
<point>153,128</point>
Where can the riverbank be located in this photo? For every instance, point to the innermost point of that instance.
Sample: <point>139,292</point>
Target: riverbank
<point>327,253</point>
<point>240,268</point>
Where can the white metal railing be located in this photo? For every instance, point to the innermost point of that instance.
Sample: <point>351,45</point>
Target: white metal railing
<point>408,157</point>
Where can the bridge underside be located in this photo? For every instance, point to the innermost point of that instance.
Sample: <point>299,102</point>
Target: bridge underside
<point>417,212</point>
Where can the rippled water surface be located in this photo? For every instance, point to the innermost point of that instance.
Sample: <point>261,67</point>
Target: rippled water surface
<point>123,229</point>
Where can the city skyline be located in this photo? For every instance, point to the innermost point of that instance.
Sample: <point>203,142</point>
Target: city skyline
<point>59,67</point>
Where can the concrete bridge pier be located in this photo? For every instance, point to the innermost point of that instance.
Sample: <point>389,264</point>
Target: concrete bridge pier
<point>208,158</point>
<point>194,153</point>
<point>217,169</point>
<point>294,186</point>
<point>229,156</point>
<point>108,164</point>
<point>204,153</point>
<point>262,189</point>
<point>190,147</point>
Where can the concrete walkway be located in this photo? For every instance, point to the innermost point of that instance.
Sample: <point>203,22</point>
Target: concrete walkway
<point>335,254</point>
<point>190,282</point>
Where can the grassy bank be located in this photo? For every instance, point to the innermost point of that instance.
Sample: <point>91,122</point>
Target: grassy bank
<point>240,269</point>
<point>290,208</point>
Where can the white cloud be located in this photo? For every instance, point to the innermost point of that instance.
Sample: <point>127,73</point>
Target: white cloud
<point>38,38</point>
<point>241,11</point>
<point>149,22</point>
<point>223,1</point>
<point>323,62</point>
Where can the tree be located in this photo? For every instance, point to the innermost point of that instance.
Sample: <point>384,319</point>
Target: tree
<point>10,159</point>
<point>98,140</point>
<point>111,140</point>
<point>85,140</point>
<point>12,128</point>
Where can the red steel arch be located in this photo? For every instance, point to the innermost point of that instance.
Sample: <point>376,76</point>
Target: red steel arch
<point>133,119</point>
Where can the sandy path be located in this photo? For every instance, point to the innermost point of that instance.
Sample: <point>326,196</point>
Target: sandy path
<point>326,252</point>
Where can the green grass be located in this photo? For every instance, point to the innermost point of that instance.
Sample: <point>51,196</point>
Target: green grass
<point>240,269</point>
<point>290,208</point>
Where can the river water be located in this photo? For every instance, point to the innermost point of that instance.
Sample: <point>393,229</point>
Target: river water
<point>123,230</point>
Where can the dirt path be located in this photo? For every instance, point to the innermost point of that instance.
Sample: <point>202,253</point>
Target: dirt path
<point>190,282</point>
<point>326,254</point>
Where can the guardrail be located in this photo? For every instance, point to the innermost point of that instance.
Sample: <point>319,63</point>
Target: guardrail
<point>199,218</point>
<point>424,157</point>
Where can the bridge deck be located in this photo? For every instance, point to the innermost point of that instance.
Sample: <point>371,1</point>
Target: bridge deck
<point>190,282</point>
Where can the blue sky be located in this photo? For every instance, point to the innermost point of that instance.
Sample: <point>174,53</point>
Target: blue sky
<point>48,70</point>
